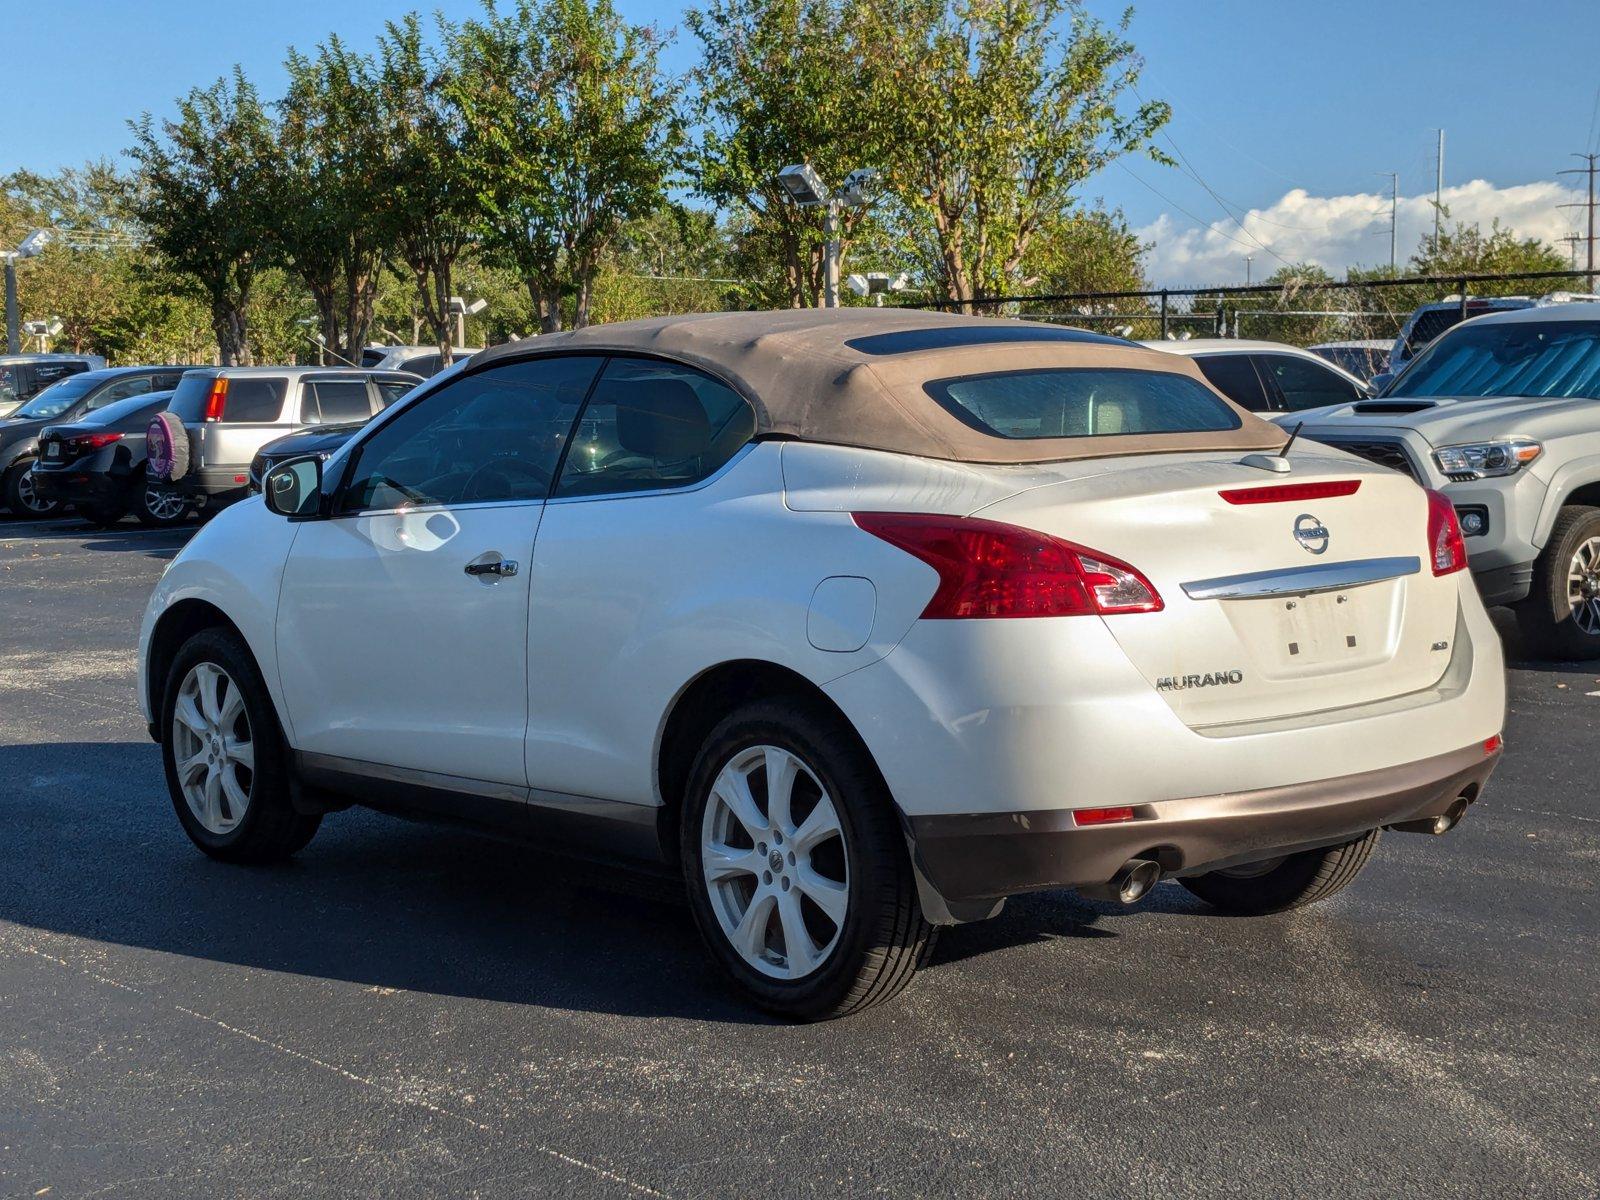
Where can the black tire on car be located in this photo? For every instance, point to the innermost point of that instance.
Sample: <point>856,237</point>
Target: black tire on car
<point>269,827</point>
<point>1281,884</point>
<point>1560,619</point>
<point>148,492</point>
<point>882,938</point>
<point>18,494</point>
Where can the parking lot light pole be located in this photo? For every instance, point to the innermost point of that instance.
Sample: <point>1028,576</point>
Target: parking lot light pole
<point>806,189</point>
<point>31,245</point>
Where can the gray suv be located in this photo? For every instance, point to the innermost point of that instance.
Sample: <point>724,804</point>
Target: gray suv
<point>220,417</point>
<point>1502,415</point>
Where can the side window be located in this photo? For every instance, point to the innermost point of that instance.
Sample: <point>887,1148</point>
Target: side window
<point>138,385</point>
<point>652,425</point>
<point>492,436</point>
<point>252,399</point>
<point>1235,378</point>
<point>1300,383</point>
<point>390,390</point>
<point>165,383</point>
<point>330,401</point>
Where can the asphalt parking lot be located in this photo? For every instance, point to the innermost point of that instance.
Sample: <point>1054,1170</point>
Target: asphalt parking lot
<point>410,1011</point>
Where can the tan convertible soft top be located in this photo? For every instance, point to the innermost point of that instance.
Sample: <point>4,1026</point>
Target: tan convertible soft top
<point>857,376</point>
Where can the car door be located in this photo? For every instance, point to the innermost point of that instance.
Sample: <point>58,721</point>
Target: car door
<point>644,463</point>
<point>1235,377</point>
<point>1296,383</point>
<point>403,619</point>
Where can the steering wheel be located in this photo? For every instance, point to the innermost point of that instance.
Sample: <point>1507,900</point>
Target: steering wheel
<point>507,471</point>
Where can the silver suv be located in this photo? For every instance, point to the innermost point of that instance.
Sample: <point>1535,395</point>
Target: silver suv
<point>1502,415</point>
<point>226,414</point>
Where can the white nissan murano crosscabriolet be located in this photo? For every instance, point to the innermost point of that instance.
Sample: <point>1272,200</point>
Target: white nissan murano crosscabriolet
<point>864,620</point>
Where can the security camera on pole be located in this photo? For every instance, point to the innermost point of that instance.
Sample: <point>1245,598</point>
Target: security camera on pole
<point>806,189</point>
<point>30,248</point>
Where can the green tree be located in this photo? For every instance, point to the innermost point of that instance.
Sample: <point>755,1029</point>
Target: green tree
<point>783,82</point>
<point>1001,111</point>
<point>571,127</point>
<point>204,197</point>
<point>334,189</point>
<point>431,206</point>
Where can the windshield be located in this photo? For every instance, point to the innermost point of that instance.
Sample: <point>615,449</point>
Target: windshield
<point>1079,402</point>
<point>56,398</point>
<point>1559,359</point>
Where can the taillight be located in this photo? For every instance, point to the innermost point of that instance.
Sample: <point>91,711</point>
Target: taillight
<point>989,569</point>
<point>217,399</point>
<point>84,442</point>
<point>1444,535</point>
<point>1298,492</point>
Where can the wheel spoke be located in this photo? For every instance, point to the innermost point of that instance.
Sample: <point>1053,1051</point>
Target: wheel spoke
<point>727,862</point>
<point>191,766</point>
<point>235,795</point>
<point>188,713</point>
<point>798,948</point>
<point>822,824</point>
<point>732,788</point>
<point>208,682</point>
<point>832,897</point>
<point>749,937</point>
<point>213,799</point>
<point>782,771</point>
<point>240,752</point>
<point>232,706</point>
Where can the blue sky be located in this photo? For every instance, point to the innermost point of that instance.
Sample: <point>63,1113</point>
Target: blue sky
<point>1285,110</point>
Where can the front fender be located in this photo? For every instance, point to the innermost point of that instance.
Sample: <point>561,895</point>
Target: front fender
<point>1565,480</point>
<point>235,564</point>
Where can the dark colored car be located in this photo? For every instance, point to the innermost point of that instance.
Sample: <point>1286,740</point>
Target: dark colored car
<point>321,441</point>
<point>62,403</point>
<point>97,465</point>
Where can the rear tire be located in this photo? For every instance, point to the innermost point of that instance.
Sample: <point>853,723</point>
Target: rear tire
<point>1293,882</point>
<point>225,758</point>
<point>1560,619</point>
<point>849,892</point>
<point>16,489</point>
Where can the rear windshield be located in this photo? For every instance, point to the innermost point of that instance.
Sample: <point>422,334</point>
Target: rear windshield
<point>1515,358</point>
<point>1083,402</point>
<point>250,398</point>
<point>121,410</point>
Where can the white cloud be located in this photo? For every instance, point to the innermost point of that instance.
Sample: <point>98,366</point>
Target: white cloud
<point>1338,232</point>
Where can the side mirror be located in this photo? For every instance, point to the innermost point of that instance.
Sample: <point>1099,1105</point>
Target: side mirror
<point>293,488</point>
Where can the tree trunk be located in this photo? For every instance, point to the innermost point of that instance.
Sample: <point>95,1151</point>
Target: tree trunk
<point>233,334</point>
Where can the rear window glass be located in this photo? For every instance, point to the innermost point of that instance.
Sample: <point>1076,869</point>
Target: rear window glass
<point>249,398</point>
<point>189,398</point>
<point>1083,402</point>
<point>332,401</point>
<point>122,410</point>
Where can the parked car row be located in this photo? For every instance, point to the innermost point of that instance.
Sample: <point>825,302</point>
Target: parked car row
<point>102,441</point>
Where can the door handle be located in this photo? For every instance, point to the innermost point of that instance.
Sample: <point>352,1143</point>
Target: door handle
<point>501,568</point>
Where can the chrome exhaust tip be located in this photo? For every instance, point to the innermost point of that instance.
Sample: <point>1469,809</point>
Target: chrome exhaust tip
<point>1443,823</point>
<point>1131,883</point>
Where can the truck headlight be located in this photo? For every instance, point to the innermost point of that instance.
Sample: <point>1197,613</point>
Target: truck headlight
<point>1487,460</point>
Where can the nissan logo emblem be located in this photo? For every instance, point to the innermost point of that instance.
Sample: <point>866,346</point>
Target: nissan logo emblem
<point>1311,533</point>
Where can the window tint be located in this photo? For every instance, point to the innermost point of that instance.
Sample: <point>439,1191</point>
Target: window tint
<point>1235,378</point>
<point>1299,383</point>
<point>390,390</point>
<point>55,399</point>
<point>424,365</point>
<point>189,397</point>
<point>165,382</point>
<point>492,436</point>
<point>137,385</point>
<point>251,399</point>
<point>1065,402</point>
<point>331,401</point>
<point>653,425</point>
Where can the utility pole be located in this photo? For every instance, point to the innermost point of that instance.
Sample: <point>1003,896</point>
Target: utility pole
<point>1587,169</point>
<point>1394,215</point>
<point>1572,240</point>
<point>13,330</point>
<point>1248,259</point>
<point>1438,193</point>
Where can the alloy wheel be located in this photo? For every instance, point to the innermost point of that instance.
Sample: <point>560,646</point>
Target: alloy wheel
<point>31,500</point>
<point>163,504</point>
<point>212,748</point>
<point>775,862</point>
<point>1583,586</point>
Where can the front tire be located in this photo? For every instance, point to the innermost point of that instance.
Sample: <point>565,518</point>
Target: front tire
<point>19,494</point>
<point>1293,881</point>
<point>224,754</point>
<point>1560,619</point>
<point>797,873</point>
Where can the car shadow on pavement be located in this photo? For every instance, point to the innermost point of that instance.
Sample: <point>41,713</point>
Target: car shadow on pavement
<point>94,851</point>
<point>127,536</point>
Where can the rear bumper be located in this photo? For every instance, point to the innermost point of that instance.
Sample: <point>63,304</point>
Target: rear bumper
<point>970,857</point>
<point>70,486</point>
<point>215,487</point>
